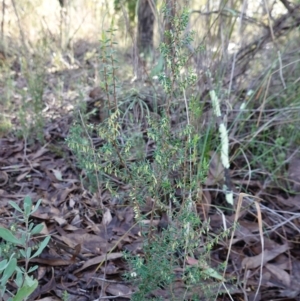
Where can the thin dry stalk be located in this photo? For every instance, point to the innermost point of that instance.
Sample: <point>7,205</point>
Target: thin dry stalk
<point>260,226</point>
<point>2,21</point>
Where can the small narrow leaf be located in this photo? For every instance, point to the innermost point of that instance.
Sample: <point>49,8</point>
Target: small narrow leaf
<point>23,239</point>
<point>22,252</point>
<point>9,270</point>
<point>30,227</point>
<point>16,206</point>
<point>19,278</point>
<point>8,236</point>
<point>28,252</point>
<point>36,207</point>
<point>27,205</point>
<point>37,229</point>
<point>3,265</point>
<point>42,246</point>
<point>213,274</point>
<point>32,269</point>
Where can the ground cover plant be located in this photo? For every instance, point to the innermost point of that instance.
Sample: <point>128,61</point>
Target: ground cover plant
<point>10,253</point>
<point>161,170</point>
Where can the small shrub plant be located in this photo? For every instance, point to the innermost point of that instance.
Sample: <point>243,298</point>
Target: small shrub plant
<point>179,162</point>
<point>15,245</point>
<point>31,114</point>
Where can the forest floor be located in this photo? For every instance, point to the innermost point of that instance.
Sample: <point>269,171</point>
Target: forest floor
<point>85,256</point>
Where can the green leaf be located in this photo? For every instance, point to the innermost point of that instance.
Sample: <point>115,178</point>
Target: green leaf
<point>9,270</point>
<point>3,264</point>
<point>37,229</point>
<point>42,246</point>
<point>25,291</point>
<point>8,236</point>
<point>23,253</point>
<point>23,239</point>
<point>16,206</point>
<point>2,291</point>
<point>36,207</point>
<point>30,281</point>
<point>19,278</point>
<point>28,252</point>
<point>213,274</point>
<point>32,269</point>
<point>30,227</point>
<point>27,205</point>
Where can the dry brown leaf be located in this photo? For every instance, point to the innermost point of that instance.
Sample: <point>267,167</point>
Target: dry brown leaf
<point>44,184</point>
<point>38,154</point>
<point>45,230</point>
<point>99,259</point>
<point>117,289</point>
<point>244,233</point>
<point>61,221</point>
<point>63,191</point>
<point>291,202</point>
<point>49,286</point>
<point>206,201</point>
<point>76,220</point>
<point>90,242</point>
<point>70,228</point>
<point>203,200</point>
<point>52,261</point>
<point>110,269</point>
<point>216,170</point>
<point>46,213</point>
<point>264,257</point>
<point>280,274</point>
<point>41,272</point>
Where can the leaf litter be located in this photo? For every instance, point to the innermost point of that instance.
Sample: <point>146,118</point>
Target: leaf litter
<point>85,255</point>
